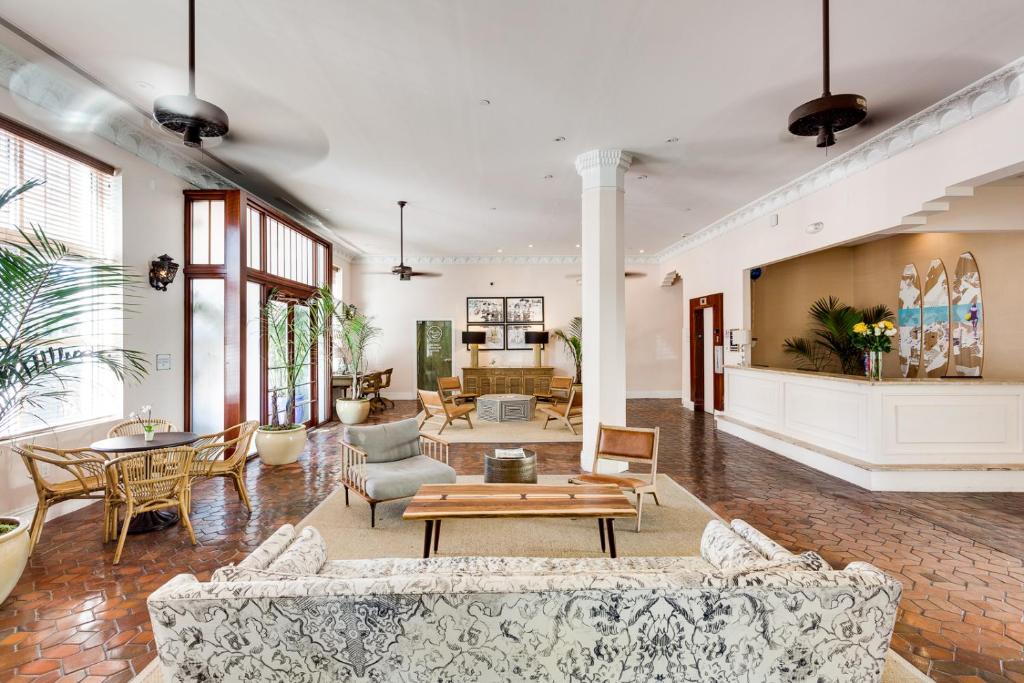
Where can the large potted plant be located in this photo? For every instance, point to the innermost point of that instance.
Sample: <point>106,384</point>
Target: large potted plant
<point>47,297</point>
<point>352,332</point>
<point>572,337</point>
<point>832,342</point>
<point>290,346</point>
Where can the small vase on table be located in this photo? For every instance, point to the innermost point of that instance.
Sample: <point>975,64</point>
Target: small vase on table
<point>148,432</point>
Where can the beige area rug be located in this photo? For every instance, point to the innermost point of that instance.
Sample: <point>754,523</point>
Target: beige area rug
<point>674,528</point>
<point>503,432</point>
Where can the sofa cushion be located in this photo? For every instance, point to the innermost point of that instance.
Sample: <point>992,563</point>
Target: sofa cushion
<point>304,557</point>
<point>725,549</point>
<point>768,548</point>
<point>402,478</point>
<point>387,442</point>
<point>268,551</point>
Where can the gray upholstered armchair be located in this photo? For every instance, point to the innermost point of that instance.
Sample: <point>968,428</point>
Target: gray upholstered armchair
<point>391,461</point>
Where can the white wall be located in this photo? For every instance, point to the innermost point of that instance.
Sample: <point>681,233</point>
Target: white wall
<point>870,201</point>
<point>654,318</point>
<point>152,219</point>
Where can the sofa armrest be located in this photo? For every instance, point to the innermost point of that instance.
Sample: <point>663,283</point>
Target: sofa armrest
<point>353,468</point>
<point>434,447</point>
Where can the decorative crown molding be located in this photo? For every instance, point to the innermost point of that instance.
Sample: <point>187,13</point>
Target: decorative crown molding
<point>987,93</point>
<point>473,260</point>
<point>603,167</point>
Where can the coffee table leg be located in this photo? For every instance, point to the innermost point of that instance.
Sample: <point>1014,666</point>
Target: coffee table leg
<point>437,533</point>
<point>600,528</point>
<point>611,537</point>
<point>429,532</point>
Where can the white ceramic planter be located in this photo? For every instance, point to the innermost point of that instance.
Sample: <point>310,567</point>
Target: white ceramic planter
<point>280,446</point>
<point>13,556</point>
<point>352,412</point>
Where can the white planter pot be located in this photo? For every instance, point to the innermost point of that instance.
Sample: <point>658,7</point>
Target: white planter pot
<point>280,446</point>
<point>352,412</point>
<point>13,556</point>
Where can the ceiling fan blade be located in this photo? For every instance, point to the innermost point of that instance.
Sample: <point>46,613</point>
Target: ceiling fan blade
<point>420,273</point>
<point>628,274</point>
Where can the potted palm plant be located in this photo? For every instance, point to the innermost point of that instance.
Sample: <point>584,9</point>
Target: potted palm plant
<point>352,332</point>
<point>47,295</point>
<point>290,342</point>
<point>572,337</point>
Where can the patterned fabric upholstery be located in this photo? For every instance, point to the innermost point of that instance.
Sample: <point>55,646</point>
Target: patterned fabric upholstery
<point>268,551</point>
<point>304,557</point>
<point>764,545</point>
<point>512,619</point>
<point>723,548</point>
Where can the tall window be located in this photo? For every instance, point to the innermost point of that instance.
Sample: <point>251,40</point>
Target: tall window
<point>77,205</point>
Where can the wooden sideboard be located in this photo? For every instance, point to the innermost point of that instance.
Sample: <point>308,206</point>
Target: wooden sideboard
<point>495,380</point>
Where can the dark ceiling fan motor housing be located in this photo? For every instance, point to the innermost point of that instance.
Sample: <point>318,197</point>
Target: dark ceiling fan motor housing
<point>827,115</point>
<point>190,117</point>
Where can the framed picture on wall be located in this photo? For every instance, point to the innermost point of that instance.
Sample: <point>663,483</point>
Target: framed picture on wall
<point>495,336</point>
<point>485,309</point>
<point>524,309</point>
<point>515,335</point>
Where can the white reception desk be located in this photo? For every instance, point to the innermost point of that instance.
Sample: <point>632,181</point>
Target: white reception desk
<point>893,435</point>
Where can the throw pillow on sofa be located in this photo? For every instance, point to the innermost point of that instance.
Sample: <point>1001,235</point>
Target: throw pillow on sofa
<point>725,549</point>
<point>304,557</point>
<point>764,545</point>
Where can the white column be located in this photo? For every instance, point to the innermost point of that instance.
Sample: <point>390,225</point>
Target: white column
<point>604,295</point>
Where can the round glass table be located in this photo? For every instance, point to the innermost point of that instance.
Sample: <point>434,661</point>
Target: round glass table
<point>134,443</point>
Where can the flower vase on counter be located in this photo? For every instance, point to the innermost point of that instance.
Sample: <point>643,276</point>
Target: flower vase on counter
<point>875,339</point>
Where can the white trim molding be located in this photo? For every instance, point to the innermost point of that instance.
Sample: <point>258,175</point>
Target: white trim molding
<point>987,93</point>
<point>481,259</point>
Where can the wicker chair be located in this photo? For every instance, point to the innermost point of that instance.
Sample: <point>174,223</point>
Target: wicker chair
<point>145,482</point>
<point>132,427</point>
<point>221,455</point>
<point>88,481</point>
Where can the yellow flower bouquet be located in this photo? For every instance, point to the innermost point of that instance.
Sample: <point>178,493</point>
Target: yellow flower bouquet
<point>874,336</point>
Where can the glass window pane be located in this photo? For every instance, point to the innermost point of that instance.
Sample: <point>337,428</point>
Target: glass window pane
<point>253,351</point>
<point>253,226</point>
<point>201,231</point>
<point>217,231</point>
<point>207,356</point>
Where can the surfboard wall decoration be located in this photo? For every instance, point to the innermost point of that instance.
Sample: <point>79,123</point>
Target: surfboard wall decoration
<point>935,317</point>
<point>967,328</point>
<point>909,322</point>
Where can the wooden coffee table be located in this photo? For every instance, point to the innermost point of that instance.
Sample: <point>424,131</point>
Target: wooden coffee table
<point>436,502</point>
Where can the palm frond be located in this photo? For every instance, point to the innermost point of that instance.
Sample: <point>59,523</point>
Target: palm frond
<point>807,354</point>
<point>876,314</point>
<point>572,337</point>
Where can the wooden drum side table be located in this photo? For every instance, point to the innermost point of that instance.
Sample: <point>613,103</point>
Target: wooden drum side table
<point>510,470</point>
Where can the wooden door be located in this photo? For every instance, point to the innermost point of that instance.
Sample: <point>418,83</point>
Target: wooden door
<point>699,307</point>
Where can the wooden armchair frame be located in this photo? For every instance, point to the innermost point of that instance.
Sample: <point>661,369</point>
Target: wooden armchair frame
<point>569,413</point>
<point>436,408</point>
<point>146,481</point>
<point>450,389</point>
<point>88,481</point>
<point>353,469</point>
<point>559,389</point>
<point>634,482</point>
<point>220,456</point>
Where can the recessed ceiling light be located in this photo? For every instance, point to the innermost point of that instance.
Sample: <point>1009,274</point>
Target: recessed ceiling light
<point>530,246</point>
<point>144,85</point>
<point>494,208</point>
<point>641,251</point>
<point>577,246</point>
<point>641,177</point>
<point>560,139</point>
<point>484,102</point>
<point>548,177</point>
<point>672,140</point>
<point>689,209</point>
<point>500,250</point>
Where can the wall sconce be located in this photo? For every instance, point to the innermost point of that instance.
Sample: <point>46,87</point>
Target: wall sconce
<point>162,272</point>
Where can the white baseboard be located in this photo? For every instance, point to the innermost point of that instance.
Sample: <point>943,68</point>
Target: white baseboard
<point>657,393</point>
<point>26,513</point>
<point>688,404</point>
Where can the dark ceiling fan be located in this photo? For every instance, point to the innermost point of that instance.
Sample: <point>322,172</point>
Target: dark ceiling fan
<point>187,115</point>
<point>404,272</point>
<point>827,115</point>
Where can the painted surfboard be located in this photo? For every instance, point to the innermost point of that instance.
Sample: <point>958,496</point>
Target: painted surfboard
<point>935,318</point>
<point>968,318</point>
<point>909,317</point>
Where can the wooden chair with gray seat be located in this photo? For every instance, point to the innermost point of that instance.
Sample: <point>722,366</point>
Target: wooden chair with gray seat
<point>436,408</point>
<point>558,390</point>
<point>630,445</point>
<point>391,461</point>
<point>451,391</point>
<point>569,413</point>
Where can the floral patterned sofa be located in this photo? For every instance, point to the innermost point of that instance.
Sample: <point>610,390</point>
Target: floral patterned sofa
<point>746,610</point>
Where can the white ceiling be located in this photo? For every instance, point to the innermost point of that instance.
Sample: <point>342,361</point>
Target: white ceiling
<point>347,106</point>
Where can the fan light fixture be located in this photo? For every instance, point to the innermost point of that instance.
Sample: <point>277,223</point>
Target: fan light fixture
<point>828,114</point>
<point>187,115</point>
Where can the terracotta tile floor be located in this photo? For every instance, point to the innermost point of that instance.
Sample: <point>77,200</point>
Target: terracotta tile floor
<point>75,617</point>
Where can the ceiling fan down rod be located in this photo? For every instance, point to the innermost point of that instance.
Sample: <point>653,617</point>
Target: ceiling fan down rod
<point>192,47</point>
<point>825,85</point>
